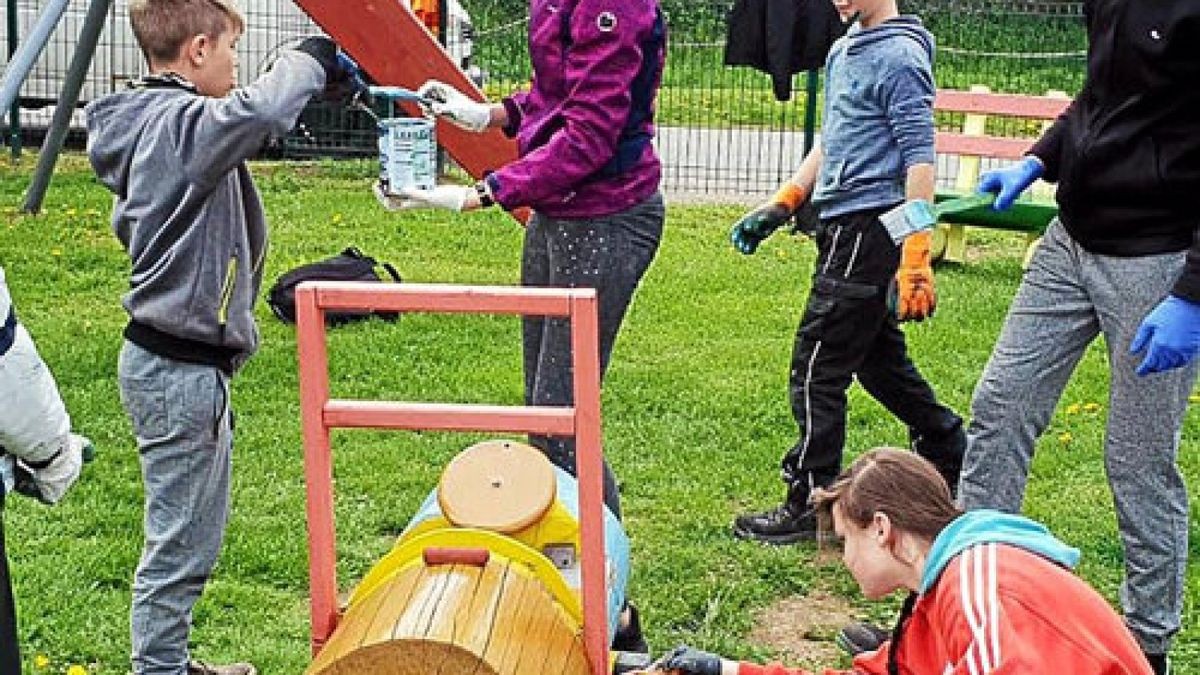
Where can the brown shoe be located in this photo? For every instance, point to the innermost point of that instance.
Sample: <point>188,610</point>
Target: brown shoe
<point>201,668</point>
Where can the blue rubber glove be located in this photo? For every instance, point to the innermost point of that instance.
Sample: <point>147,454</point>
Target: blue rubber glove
<point>1170,336</point>
<point>1008,184</point>
<point>686,660</point>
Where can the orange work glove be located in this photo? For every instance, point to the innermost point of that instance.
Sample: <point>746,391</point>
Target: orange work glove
<point>916,298</point>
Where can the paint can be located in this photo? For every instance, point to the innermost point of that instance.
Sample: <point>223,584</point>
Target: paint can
<point>407,154</point>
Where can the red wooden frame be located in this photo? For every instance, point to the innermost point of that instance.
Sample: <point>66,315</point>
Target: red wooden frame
<point>319,414</point>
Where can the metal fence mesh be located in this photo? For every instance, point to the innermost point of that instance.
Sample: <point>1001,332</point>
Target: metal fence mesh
<point>722,133</point>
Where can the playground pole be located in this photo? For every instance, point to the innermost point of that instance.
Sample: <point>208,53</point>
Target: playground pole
<point>20,61</point>
<point>23,58</point>
<point>14,115</point>
<point>810,112</point>
<point>93,23</point>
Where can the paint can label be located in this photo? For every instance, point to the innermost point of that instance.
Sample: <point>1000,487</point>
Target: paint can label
<point>407,154</point>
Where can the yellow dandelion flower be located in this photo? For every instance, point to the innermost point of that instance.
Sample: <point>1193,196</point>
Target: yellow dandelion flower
<point>41,661</point>
<point>1194,398</point>
<point>77,670</point>
<point>1091,407</point>
<point>1065,437</point>
<point>337,218</point>
<point>56,251</point>
<point>72,212</point>
<point>1073,409</point>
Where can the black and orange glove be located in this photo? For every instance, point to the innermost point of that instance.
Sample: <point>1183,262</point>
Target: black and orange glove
<point>916,298</point>
<point>752,228</point>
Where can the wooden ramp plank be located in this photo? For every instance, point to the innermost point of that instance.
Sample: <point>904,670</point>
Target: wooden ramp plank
<point>478,620</point>
<point>414,621</point>
<point>510,623</point>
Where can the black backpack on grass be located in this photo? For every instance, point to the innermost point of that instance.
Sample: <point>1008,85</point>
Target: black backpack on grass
<point>349,265</point>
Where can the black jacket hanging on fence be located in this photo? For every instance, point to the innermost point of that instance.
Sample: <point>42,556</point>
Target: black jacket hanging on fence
<point>781,37</point>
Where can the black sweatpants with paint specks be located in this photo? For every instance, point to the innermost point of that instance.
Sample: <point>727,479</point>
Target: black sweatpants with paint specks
<point>609,254</point>
<point>848,331</point>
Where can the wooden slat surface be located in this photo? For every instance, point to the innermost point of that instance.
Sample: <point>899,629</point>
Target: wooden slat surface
<point>455,620</point>
<point>1008,105</point>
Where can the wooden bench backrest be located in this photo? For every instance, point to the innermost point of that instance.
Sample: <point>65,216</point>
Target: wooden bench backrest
<point>1005,105</point>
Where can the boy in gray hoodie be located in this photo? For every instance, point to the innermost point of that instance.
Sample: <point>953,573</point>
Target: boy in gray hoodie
<point>875,159</point>
<point>172,148</point>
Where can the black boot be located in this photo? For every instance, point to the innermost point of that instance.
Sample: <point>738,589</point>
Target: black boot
<point>794,521</point>
<point>628,636</point>
<point>945,451</point>
<point>1159,663</point>
<point>862,637</point>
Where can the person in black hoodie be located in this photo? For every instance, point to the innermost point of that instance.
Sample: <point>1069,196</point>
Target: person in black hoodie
<point>1122,260</point>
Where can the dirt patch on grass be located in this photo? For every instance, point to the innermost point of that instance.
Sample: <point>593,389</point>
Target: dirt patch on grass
<point>802,629</point>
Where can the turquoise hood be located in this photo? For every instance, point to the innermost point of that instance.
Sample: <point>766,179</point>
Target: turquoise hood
<point>987,527</point>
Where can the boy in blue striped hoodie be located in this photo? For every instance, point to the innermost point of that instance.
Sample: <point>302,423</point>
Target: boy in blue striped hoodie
<point>876,158</point>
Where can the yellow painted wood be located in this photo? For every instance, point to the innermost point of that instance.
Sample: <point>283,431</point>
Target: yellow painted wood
<point>974,124</point>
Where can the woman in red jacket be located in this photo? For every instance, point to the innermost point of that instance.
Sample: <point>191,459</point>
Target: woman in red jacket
<point>989,592</point>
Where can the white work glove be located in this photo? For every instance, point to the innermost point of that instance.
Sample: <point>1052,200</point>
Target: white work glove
<point>443,100</point>
<point>909,218</point>
<point>450,197</point>
<point>50,483</point>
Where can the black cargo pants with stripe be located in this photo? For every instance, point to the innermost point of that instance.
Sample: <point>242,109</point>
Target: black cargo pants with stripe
<point>848,331</point>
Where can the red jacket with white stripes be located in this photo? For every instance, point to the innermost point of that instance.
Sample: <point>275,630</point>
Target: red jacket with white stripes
<point>999,608</point>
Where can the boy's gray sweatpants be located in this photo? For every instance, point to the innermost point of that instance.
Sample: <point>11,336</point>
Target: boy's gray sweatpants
<point>1067,298</point>
<point>181,417</point>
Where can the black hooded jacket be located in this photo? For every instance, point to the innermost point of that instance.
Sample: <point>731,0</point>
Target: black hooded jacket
<point>1126,153</point>
<point>781,37</point>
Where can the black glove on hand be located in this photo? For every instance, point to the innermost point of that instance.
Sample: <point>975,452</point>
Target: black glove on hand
<point>686,660</point>
<point>343,77</point>
<point>754,227</point>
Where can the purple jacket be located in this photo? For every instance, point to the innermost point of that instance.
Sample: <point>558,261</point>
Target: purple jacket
<point>583,131</point>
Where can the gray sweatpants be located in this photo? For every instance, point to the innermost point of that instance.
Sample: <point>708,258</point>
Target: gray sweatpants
<point>181,417</point>
<point>1067,298</point>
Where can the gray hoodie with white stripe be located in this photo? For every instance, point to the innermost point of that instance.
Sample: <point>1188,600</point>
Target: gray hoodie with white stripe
<point>186,208</point>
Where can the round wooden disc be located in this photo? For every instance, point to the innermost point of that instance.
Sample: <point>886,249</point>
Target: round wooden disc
<point>502,486</point>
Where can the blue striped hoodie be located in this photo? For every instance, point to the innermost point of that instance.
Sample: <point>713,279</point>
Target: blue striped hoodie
<point>878,118</point>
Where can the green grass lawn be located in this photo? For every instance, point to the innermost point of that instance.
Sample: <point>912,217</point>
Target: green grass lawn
<point>695,419</point>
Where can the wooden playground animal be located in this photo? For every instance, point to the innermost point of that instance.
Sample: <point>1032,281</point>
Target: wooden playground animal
<point>484,580</point>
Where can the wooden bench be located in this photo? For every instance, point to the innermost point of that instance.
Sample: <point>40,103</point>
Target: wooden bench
<point>1031,214</point>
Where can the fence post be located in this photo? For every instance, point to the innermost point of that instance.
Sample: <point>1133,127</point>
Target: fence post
<point>810,112</point>
<point>14,115</point>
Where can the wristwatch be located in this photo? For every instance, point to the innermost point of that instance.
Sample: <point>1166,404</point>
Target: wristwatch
<point>485,194</point>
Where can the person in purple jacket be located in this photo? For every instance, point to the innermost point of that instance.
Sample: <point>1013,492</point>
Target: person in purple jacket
<point>587,169</point>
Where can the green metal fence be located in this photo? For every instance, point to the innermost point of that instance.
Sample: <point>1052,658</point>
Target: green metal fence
<point>722,133</point>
